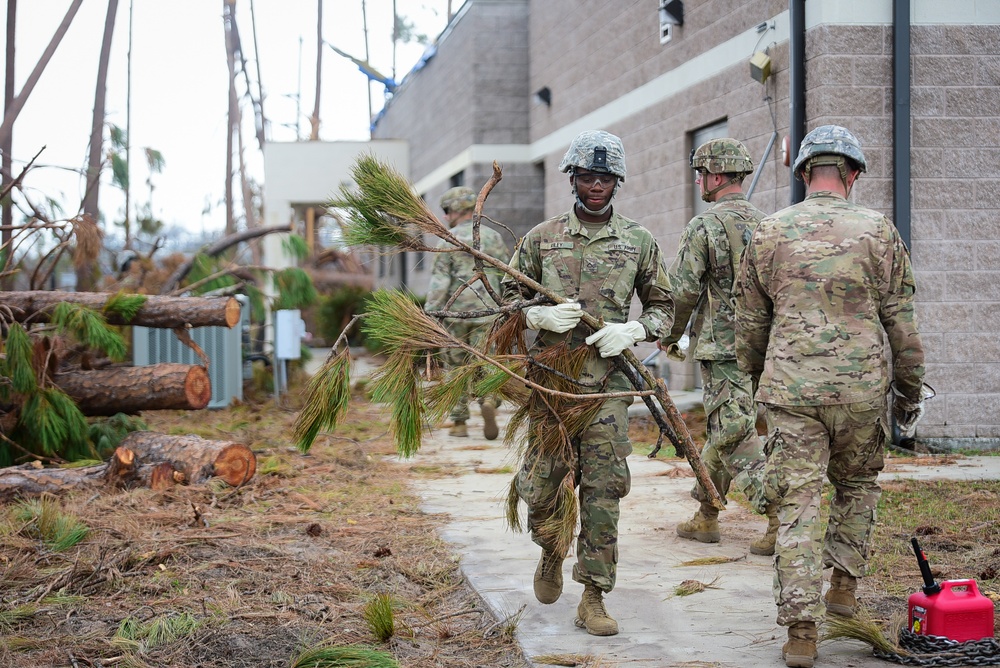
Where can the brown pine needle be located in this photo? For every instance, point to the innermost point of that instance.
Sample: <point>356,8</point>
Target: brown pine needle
<point>559,529</point>
<point>688,587</point>
<point>562,659</point>
<point>710,561</point>
<point>865,628</point>
<point>511,516</point>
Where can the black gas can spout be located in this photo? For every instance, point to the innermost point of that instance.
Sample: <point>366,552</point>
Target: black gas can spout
<point>930,587</point>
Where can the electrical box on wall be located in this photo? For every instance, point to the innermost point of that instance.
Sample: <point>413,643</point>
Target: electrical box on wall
<point>289,330</point>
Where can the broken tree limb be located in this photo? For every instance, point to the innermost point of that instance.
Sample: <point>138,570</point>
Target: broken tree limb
<point>132,389</point>
<point>215,249</point>
<point>197,458</point>
<point>158,311</point>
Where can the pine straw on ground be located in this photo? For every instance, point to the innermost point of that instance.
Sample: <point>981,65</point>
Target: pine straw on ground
<point>288,561</point>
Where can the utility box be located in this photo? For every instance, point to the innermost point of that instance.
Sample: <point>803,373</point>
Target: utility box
<point>289,330</point>
<point>223,345</point>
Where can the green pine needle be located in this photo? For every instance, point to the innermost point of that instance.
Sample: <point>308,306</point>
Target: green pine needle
<point>327,399</point>
<point>383,207</point>
<point>397,322</point>
<point>397,383</point>
<point>17,365</point>
<point>295,289</point>
<point>380,617</point>
<point>90,328</point>
<point>333,656</point>
<point>45,519</point>
<point>295,246</point>
<point>443,396</point>
<point>125,305</point>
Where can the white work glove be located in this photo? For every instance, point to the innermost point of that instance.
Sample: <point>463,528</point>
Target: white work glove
<point>679,351</point>
<point>908,413</point>
<point>612,339</point>
<point>559,318</point>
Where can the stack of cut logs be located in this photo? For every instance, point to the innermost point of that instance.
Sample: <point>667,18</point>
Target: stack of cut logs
<point>143,459</point>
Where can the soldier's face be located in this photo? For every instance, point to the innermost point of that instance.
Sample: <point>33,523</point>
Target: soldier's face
<point>594,189</point>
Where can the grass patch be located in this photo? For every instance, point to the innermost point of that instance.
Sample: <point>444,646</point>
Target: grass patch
<point>331,656</point>
<point>45,519</point>
<point>378,613</point>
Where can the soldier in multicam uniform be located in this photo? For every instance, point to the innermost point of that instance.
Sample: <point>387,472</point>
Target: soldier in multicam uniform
<point>702,278</point>
<point>598,259</point>
<point>449,272</point>
<point>821,283</point>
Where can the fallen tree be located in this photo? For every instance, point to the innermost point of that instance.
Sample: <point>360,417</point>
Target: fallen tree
<point>197,458</point>
<point>122,471</point>
<point>141,388</point>
<point>36,306</point>
<point>143,459</point>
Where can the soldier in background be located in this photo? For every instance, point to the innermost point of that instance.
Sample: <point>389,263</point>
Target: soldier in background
<point>598,259</point>
<point>821,283</point>
<point>449,272</point>
<point>702,280</point>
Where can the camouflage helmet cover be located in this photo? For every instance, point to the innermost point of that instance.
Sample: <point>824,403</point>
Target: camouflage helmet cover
<point>830,140</point>
<point>722,156</point>
<point>456,200</point>
<point>598,151</point>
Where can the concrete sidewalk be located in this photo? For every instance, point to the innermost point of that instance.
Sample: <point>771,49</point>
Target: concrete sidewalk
<point>729,624</point>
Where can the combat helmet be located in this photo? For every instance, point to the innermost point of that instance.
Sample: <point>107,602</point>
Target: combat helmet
<point>456,200</point>
<point>598,151</point>
<point>829,145</point>
<point>722,156</point>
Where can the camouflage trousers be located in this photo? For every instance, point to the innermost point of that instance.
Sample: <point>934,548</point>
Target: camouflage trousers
<point>733,451</point>
<point>843,443</point>
<point>473,333</point>
<point>600,472</point>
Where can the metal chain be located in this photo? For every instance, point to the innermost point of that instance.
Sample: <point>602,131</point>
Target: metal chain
<point>941,651</point>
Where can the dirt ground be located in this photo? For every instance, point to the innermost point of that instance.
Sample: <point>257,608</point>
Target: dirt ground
<point>255,574</point>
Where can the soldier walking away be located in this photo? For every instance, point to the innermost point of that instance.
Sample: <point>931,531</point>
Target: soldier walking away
<point>821,283</point>
<point>450,271</point>
<point>702,280</point>
<point>598,259</point>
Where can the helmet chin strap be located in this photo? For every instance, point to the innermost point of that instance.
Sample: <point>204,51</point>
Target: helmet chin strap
<point>598,212</point>
<point>707,195</point>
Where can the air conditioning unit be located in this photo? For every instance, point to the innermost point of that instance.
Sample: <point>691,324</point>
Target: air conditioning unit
<point>222,345</point>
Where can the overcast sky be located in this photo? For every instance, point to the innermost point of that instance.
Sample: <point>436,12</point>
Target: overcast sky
<point>180,90</point>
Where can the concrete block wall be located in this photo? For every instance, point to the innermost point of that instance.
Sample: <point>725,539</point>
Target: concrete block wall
<point>956,227</point>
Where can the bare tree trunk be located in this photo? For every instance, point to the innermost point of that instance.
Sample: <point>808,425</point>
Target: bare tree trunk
<point>314,119</point>
<point>11,112</point>
<point>85,272</point>
<point>229,11</point>
<point>7,169</point>
<point>128,136</point>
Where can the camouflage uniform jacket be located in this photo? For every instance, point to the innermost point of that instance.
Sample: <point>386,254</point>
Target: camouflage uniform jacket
<point>601,272</point>
<point>819,284</point>
<point>702,276</point>
<point>451,270</point>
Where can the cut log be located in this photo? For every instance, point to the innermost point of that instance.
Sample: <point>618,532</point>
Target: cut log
<point>197,458</point>
<point>158,311</point>
<point>130,389</point>
<point>122,471</point>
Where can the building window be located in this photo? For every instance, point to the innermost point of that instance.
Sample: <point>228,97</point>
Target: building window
<point>457,179</point>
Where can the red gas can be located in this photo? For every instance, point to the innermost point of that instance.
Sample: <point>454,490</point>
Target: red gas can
<point>958,612</point>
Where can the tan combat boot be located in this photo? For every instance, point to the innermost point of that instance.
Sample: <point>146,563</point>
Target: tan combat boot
<point>458,429</point>
<point>765,544</point>
<point>703,527</point>
<point>800,650</point>
<point>593,616</point>
<point>489,411</point>
<point>840,598</point>
<point>548,577</point>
